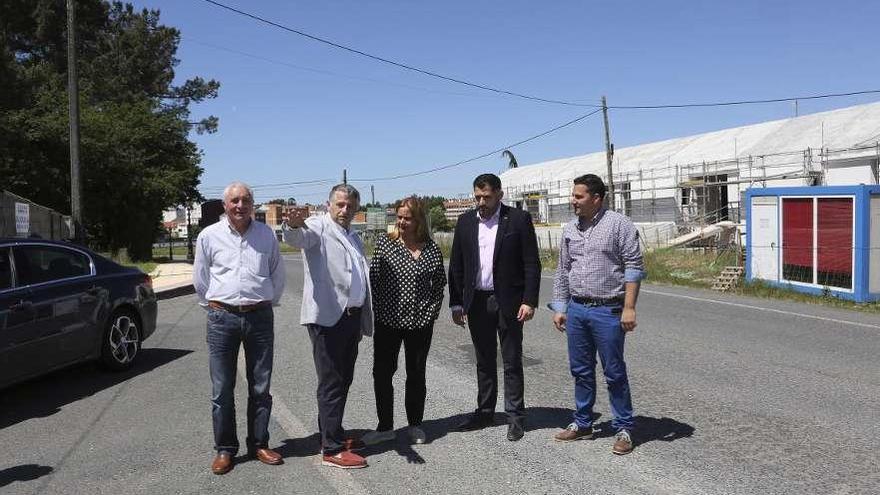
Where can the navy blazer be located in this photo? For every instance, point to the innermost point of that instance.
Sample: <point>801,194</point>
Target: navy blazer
<point>516,268</point>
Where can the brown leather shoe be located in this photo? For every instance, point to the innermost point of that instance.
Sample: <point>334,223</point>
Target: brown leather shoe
<point>573,432</point>
<point>268,456</point>
<point>622,443</point>
<point>222,463</point>
<point>345,460</point>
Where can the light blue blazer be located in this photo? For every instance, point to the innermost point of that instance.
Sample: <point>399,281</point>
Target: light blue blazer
<point>327,277</point>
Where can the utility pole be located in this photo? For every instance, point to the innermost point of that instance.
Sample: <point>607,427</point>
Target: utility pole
<point>73,100</point>
<point>372,194</point>
<point>609,155</point>
<point>344,176</point>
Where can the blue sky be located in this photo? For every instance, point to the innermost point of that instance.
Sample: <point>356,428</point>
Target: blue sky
<point>311,110</point>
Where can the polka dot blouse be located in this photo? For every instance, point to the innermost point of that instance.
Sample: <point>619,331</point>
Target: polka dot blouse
<point>407,291</point>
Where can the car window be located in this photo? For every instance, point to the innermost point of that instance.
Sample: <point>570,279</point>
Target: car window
<point>5,269</point>
<point>37,264</point>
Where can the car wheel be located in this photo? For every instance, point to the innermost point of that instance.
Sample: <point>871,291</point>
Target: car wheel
<point>121,341</point>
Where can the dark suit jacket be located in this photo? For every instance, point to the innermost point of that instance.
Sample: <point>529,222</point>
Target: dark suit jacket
<point>516,268</point>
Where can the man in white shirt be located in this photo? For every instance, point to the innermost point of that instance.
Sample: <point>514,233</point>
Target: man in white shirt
<point>337,309</point>
<point>238,275</point>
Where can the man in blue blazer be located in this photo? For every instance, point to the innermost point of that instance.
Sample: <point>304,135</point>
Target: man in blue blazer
<point>336,308</point>
<point>494,277</point>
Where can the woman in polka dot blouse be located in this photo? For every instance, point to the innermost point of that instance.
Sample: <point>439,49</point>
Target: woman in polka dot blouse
<point>407,278</point>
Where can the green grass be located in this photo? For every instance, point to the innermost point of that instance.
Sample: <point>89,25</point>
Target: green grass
<point>688,267</point>
<point>122,259</point>
<point>696,268</point>
<point>765,291</point>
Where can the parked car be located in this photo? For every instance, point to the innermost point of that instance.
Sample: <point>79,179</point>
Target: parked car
<point>62,304</point>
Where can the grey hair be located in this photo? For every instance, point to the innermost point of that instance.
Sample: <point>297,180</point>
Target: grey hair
<point>348,189</point>
<point>238,185</point>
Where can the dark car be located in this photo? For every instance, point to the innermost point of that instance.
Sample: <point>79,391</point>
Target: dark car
<point>62,304</point>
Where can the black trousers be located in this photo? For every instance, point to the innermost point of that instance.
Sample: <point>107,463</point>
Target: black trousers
<point>335,350</point>
<point>485,321</point>
<point>386,349</point>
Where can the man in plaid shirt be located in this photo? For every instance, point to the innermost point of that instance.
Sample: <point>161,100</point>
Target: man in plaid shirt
<point>594,303</point>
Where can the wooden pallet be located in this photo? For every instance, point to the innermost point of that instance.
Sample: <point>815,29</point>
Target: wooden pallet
<point>728,279</point>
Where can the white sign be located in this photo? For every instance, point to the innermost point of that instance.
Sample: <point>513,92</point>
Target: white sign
<point>22,218</point>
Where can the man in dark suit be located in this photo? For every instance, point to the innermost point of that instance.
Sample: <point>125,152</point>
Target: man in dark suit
<point>494,276</point>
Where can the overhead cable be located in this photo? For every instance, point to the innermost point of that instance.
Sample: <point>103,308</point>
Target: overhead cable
<point>394,63</point>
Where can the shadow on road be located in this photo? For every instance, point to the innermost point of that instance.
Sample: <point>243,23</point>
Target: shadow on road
<point>46,395</point>
<point>300,447</point>
<point>25,472</point>
<point>650,429</point>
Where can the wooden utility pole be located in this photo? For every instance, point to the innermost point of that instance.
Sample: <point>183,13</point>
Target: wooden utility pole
<point>344,176</point>
<point>73,101</point>
<point>609,155</point>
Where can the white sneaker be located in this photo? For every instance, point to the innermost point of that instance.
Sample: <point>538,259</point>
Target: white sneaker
<point>417,435</point>
<point>377,437</point>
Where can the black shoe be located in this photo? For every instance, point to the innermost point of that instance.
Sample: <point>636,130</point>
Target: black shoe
<point>515,431</point>
<point>476,421</point>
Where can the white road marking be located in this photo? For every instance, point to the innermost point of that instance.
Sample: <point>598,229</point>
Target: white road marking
<point>749,306</point>
<point>340,479</point>
<point>759,308</point>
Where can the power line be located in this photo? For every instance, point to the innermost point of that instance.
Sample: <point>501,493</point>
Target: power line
<point>314,182</point>
<point>525,96</point>
<point>327,72</point>
<point>392,62</point>
<point>428,171</point>
<point>475,158</point>
<point>743,102</point>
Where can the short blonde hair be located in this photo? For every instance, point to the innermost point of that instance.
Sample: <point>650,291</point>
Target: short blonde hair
<point>418,209</point>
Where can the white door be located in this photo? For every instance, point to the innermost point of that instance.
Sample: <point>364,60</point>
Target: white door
<point>765,238</point>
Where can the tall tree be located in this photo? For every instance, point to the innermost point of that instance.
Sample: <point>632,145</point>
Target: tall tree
<point>136,155</point>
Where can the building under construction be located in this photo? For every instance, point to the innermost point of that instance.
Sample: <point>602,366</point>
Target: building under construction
<point>673,187</point>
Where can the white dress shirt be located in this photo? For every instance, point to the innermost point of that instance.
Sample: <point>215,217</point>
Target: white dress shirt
<point>358,292</point>
<point>238,269</point>
<point>486,233</point>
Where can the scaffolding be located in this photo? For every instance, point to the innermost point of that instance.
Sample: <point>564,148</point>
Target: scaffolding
<point>669,200</point>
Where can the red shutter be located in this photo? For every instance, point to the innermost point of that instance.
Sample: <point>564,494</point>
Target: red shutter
<point>797,233</point>
<point>835,241</point>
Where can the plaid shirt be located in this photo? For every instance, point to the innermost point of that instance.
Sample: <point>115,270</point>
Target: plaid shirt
<point>596,258</point>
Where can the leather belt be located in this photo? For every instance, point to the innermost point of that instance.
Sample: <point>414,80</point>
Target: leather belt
<point>592,301</point>
<point>351,311</point>
<point>244,308</point>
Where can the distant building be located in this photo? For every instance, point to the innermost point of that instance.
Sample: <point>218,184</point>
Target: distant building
<point>455,207</point>
<point>274,214</point>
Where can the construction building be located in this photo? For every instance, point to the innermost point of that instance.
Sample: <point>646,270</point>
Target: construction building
<point>673,187</point>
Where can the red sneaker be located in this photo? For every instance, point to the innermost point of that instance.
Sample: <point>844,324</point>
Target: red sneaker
<point>345,460</point>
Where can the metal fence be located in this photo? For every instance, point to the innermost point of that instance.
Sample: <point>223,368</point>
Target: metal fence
<point>20,217</point>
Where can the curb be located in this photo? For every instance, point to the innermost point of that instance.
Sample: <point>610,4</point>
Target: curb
<point>177,290</point>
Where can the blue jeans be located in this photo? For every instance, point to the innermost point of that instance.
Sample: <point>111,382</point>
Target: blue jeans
<point>226,333</point>
<point>592,329</point>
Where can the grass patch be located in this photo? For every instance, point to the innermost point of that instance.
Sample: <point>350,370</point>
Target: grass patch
<point>122,259</point>
<point>688,267</point>
<point>696,268</point>
<point>762,290</point>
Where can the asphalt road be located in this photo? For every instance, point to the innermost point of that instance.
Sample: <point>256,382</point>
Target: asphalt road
<point>733,395</point>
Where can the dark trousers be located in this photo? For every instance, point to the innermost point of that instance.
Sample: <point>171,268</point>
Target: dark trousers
<point>226,334</point>
<point>485,321</point>
<point>386,348</point>
<point>335,350</point>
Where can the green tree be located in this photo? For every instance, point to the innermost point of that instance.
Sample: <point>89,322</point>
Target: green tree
<point>439,222</point>
<point>136,155</point>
